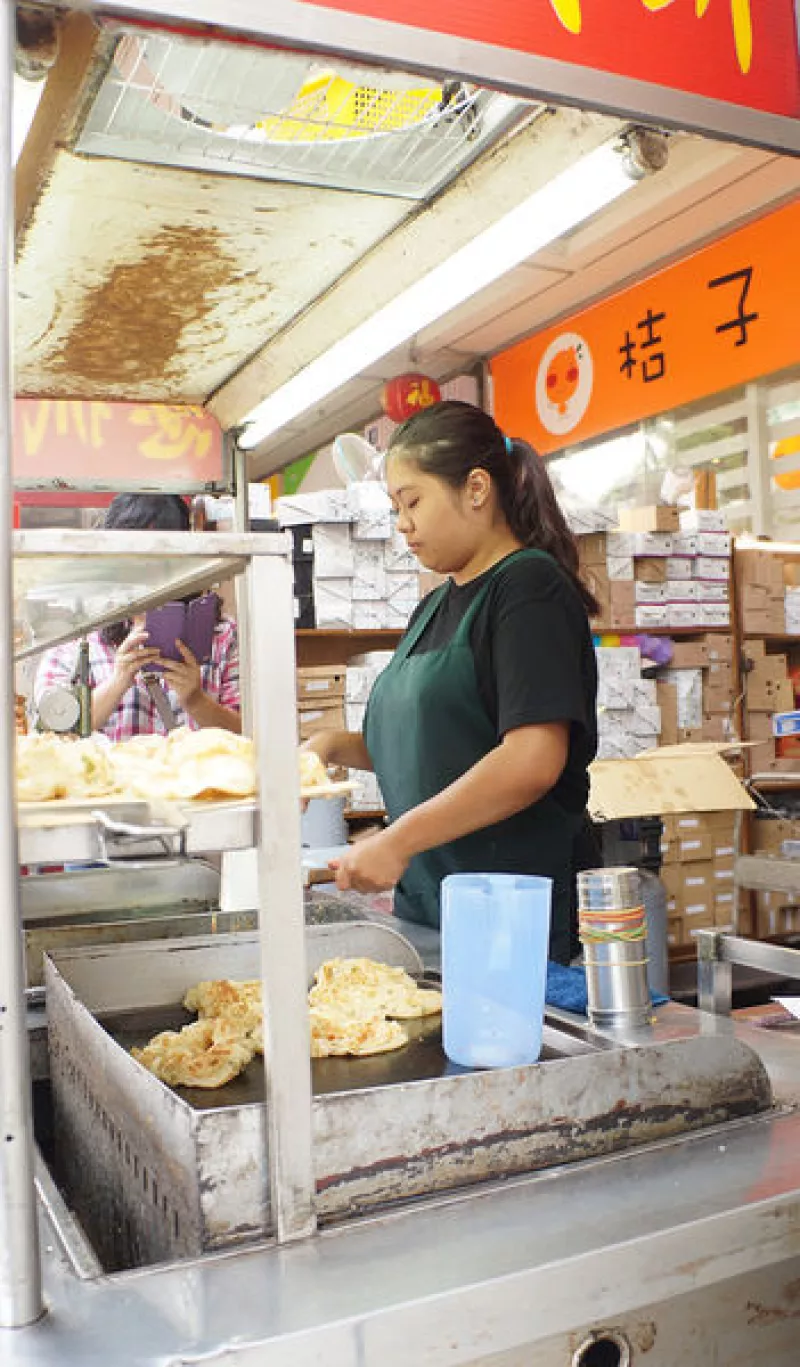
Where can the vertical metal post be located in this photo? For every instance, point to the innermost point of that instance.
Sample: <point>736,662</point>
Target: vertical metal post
<point>714,976</point>
<point>757,459</point>
<point>20,1273</point>
<point>243,618</point>
<point>280,902</point>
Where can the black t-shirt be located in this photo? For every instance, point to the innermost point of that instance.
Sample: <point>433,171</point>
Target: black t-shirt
<point>534,657</point>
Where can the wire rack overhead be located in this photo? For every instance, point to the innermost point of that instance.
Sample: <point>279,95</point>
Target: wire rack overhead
<point>287,116</point>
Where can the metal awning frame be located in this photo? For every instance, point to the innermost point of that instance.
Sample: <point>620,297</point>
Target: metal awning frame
<point>294,25</point>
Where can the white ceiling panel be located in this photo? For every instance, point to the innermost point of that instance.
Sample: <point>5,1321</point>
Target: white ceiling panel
<point>141,282</point>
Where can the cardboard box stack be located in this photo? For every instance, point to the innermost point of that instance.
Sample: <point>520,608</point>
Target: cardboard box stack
<point>352,568</point>
<point>661,569</point>
<point>320,699</point>
<point>768,690</point>
<point>698,691</point>
<point>697,853</point>
<point>777,913</point>
<point>761,591</point>
<point>628,714</point>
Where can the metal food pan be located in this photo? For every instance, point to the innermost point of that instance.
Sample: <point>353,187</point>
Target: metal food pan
<point>153,1177</point>
<point>70,833</point>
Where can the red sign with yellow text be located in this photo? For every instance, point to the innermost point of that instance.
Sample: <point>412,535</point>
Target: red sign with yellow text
<point>723,316</point>
<point>740,51</point>
<point>80,444</point>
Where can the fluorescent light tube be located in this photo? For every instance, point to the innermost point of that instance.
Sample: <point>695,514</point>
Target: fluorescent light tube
<point>559,206</point>
<point>27,95</point>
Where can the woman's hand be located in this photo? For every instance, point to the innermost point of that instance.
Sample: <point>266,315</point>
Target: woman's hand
<point>184,677</point>
<point>371,865</point>
<point>134,654</point>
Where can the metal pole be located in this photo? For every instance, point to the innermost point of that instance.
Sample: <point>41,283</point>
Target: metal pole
<point>281,919</point>
<point>243,619</point>
<point>20,1272</point>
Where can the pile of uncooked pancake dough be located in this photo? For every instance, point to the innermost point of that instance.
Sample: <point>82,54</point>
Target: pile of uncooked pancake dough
<point>355,1008</point>
<point>184,766</point>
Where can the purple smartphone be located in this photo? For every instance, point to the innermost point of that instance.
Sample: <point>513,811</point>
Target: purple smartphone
<point>193,623</point>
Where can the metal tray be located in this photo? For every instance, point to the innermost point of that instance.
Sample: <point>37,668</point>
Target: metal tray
<point>112,830</point>
<point>153,1177</point>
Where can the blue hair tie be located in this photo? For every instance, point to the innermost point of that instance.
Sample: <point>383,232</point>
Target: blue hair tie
<point>509,446</point>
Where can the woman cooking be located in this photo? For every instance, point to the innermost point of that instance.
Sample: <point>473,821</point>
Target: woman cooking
<point>482,727</point>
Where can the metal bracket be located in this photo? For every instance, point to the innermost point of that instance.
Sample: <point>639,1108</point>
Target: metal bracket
<point>171,839</point>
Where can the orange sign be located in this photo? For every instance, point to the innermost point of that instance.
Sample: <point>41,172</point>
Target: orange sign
<point>721,317</point>
<point>68,444</point>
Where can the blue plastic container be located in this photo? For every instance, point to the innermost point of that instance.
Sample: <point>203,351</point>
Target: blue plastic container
<point>495,933</point>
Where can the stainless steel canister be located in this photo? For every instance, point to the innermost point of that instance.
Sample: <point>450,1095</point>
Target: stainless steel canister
<point>613,931</point>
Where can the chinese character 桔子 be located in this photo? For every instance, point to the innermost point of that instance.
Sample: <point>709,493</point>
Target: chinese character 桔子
<point>742,319</point>
<point>653,365</point>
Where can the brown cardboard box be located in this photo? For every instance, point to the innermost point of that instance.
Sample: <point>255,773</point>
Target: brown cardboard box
<point>717,727</point>
<point>679,824</point>
<point>320,718</point>
<point>720,675</point>
<point>667,699</point>
<point>698,881</point>
<point>592,549</point>
<point>650,569</point>
<point>721,646</point>
<point>688,847</point>
<point>622,602</point>
<point>759,568</point>
<point>672,878</point>
<point>689,655</point>
<point>718,699</point>
<point>660,517</point>
<point>765,694</point>
<point>698,916</point>
<point>768,834</point>
<point>319,684</point>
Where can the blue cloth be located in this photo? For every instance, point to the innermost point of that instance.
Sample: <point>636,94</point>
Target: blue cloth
<point>566,988</point>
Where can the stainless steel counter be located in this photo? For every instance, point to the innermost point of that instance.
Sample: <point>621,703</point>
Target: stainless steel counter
<point>496,1271</point>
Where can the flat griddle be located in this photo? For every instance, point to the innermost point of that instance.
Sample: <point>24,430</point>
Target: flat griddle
<point>422,1058</point>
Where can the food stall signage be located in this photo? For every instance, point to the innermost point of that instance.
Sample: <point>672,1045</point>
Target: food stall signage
<point>714,320</point>
<point>739,51</point>
<point>74,444</point>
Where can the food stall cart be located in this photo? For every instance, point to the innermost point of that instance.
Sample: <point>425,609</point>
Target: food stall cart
<point>628,1200</point>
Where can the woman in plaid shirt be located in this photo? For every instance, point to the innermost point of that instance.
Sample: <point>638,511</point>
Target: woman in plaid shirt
<point>200,695</point>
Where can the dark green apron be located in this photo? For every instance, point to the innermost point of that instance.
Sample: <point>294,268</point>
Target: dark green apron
<point>426,725</point>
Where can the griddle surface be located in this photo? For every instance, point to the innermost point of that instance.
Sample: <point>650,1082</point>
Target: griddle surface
<point>422,1058</point>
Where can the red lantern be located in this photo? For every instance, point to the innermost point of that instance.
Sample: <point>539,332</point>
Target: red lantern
<point>408,394</point>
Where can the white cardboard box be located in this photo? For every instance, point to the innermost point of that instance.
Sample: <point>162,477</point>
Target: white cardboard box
<point>372,511</point>
<point>334,557</point>
<point>649,593</point>
<point>333,602</point>
<point>651,615</point>
<point>712,591</point>
<point>702,520</point>
<point>369,574</point>
<point>620,566</point>
<point>326,505</point>
<point>715,543</point>
<point>369,616</point>
<point>397,613</point>
<point>712,567</point>
<point>681,590</point>
<point>680,567</point>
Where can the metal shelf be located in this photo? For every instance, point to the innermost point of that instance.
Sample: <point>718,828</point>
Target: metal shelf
<point>68,583</point>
